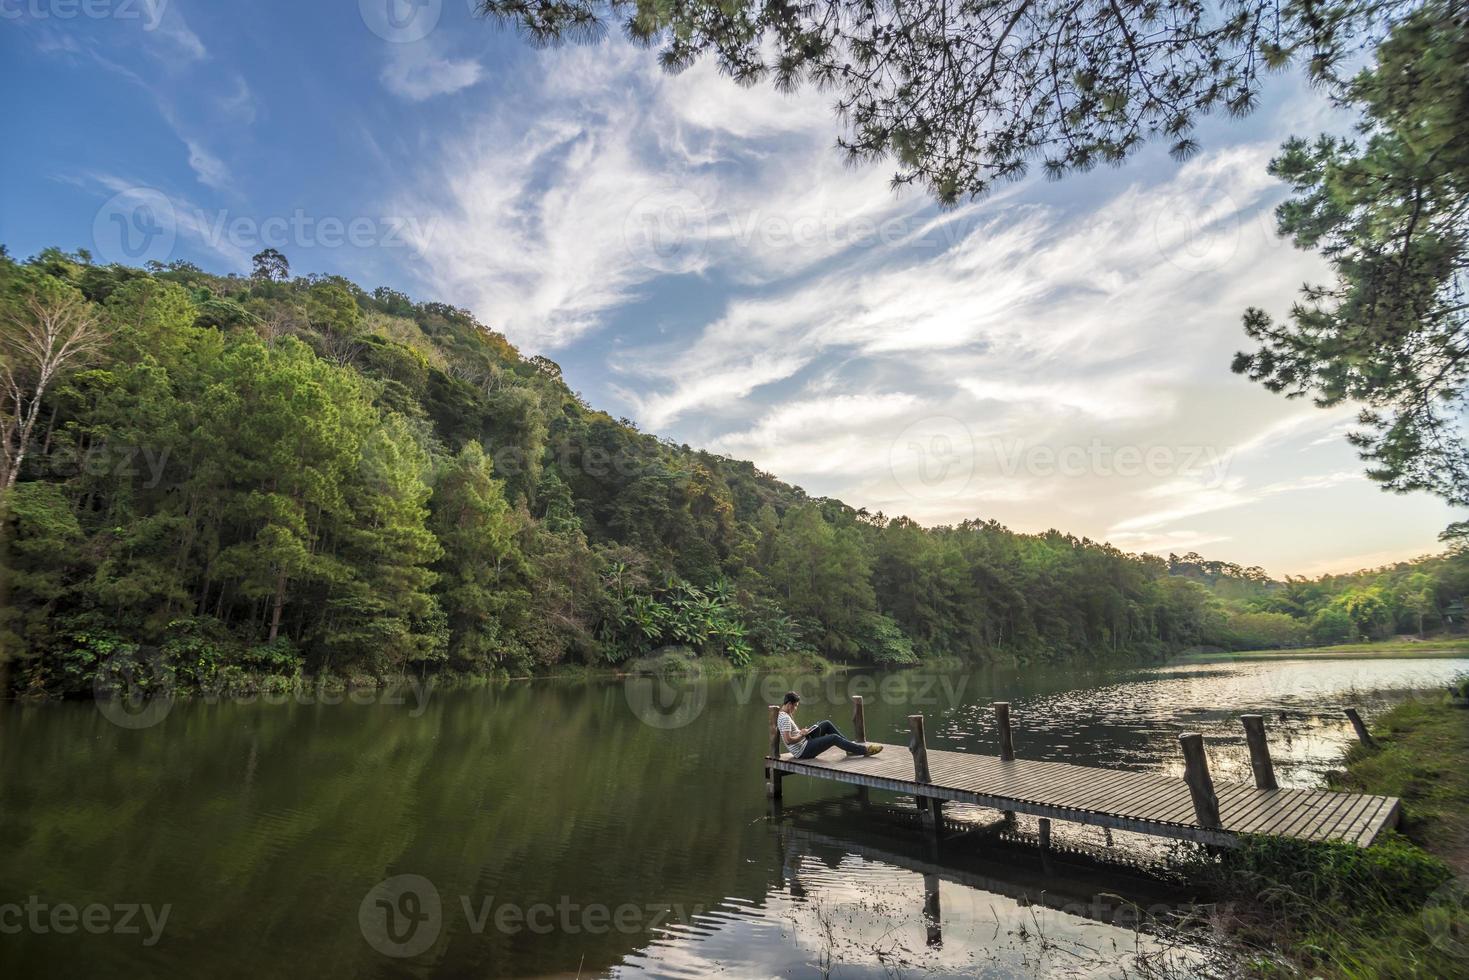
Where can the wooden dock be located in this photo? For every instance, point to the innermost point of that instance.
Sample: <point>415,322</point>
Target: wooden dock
<point>1193,808</point>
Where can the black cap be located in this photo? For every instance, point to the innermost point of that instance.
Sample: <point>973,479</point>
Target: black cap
<point>792,698</point>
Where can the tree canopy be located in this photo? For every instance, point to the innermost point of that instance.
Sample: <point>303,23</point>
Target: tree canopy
<point>1390,212</point>
<point>960,96</point>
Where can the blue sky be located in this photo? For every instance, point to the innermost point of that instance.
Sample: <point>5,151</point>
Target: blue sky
<point>699,258</point>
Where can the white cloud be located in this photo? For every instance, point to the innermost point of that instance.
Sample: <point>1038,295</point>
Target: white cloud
<point>239,102</point>
<point>607,174</point>
<point>417,72</point>
<point>210,170</point>
<point>164,19</point>
<point>1194,498</point>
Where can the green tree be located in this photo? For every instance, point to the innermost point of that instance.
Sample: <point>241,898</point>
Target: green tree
<point>270,266</point>
<point>482,573</point>
<point>823,573</point>
<point>384,607</point>
<point>1333,625</point>
<point>292,427</point>
<point>1391,214</point>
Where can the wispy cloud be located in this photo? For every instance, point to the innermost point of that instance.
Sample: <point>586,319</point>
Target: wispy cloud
<point>210,170</point>
<point>1192,498</point>
<point>165,20</point>
<point>607,174</point>
<point>417,72</point>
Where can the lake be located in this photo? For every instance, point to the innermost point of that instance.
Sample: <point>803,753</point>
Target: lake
<point>554,828</point>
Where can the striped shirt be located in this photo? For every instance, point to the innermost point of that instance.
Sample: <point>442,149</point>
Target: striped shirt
<point>788,724</point>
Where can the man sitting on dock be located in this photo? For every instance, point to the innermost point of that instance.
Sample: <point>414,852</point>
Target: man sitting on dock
<point>808,743</point>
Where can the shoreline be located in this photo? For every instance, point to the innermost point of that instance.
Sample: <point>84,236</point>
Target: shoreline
<point>1399,908</point>
<point>1385,650</point>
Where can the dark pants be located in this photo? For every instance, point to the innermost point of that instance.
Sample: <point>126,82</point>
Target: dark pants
<point>824,736</point>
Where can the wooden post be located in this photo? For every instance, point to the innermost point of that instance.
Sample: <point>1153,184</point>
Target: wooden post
<point>1363,735</point>
<point>1007,744</point>
<point>859,720</point>
<point>918,745</point>
<point>1196,774</point>
<point>932,912</point>
<point>1045,825</point>
<point>772,777</point>
<point>1259,751</point>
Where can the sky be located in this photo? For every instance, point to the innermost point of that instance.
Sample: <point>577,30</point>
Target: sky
<point>699,258</point>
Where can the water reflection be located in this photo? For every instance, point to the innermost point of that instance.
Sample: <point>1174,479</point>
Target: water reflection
<point>268,829</point>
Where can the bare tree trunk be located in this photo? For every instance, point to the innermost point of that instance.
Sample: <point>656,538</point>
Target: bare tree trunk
<point>280,601</point>
<point>52,329</point>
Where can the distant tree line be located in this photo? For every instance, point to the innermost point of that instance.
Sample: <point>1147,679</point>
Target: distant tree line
<point>265,476</point>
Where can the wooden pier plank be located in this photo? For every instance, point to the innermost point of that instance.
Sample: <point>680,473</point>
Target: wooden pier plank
<point>1149,803</point>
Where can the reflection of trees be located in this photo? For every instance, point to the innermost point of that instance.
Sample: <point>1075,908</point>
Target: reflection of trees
<point>265,825</point>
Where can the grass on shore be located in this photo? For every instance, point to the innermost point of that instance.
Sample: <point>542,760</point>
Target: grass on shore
<point>1455,646</point>
<point>1394,910</point>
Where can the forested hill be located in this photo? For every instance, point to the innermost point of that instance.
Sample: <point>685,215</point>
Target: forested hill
<point>272,475</point>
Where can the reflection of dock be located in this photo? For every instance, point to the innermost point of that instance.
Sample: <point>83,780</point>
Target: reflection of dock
<point>1048,890</point>
<point>1191,809</point>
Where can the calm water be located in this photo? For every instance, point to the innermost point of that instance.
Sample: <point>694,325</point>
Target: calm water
<point>586,829</point>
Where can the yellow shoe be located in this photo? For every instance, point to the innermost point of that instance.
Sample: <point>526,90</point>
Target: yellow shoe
<point>873,748</point>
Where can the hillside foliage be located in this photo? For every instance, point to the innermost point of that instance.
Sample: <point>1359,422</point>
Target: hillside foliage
<point>266,475</point>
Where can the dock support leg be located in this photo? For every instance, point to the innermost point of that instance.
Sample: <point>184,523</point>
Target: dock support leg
<point>772,776</point>
<point>859,734</point>
<point>1200,785</point>
<point>932,913</point>
<point>928,807</point>
<point>1259,751</point>
<point>1007,743</point>
<point>1363,735</point>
